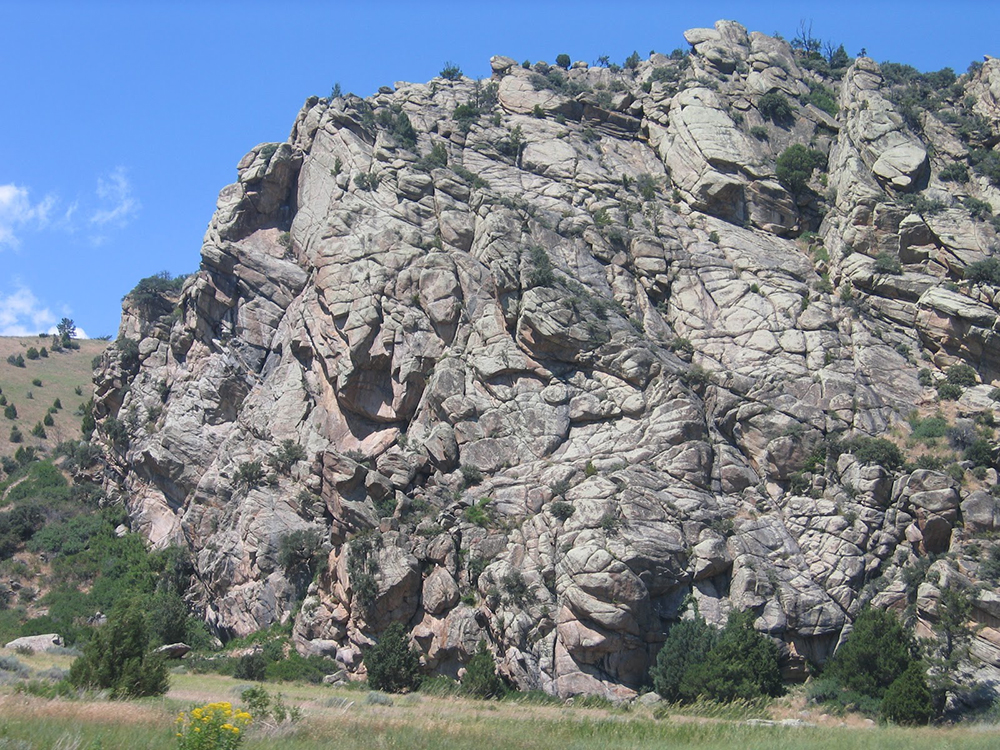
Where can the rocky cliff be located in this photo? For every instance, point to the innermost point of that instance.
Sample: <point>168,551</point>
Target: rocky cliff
<point>537,360</point>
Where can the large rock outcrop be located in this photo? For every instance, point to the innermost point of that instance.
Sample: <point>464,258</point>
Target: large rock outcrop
<point>539,369</point>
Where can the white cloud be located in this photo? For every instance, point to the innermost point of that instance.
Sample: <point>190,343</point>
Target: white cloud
<point>22,314</point>
<point>113,205</point>
<point>118,202</point>
<point>17,211</point>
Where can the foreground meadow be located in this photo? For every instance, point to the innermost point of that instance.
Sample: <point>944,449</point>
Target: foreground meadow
<point>345,719</point>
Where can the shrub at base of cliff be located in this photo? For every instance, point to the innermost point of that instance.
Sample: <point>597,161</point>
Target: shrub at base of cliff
<point>743,665</point>
<point>875,654</point>
<point>118,659</point>
<point>252,666</point>
<point>908,699</point>
<point>392,665</point>
<point>876,671</point>
<point>688,644</point>
<point>736,664</point>
<point>481,679</point>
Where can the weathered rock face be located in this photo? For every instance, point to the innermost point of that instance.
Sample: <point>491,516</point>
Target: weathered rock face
<point>539,375</point>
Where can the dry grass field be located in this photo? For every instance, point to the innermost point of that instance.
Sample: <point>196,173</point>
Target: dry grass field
<point>61,374</point>
<point>344,719</point>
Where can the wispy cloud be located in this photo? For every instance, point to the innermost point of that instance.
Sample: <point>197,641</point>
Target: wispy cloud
<point>17,211</point>
<point>113,204</point>
<point>119,204</point>
<point>22,314</point>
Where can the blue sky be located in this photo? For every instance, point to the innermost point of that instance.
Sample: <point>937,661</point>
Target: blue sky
<point>123,120</point>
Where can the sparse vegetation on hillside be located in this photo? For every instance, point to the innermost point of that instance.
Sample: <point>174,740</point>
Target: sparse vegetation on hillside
<point>61,374</point>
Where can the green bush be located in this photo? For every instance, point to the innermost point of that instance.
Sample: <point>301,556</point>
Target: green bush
<point>983,272</point>
<point>922,204</point>
<point>471,475</point>
<point>481,679</point>
<point>687,645</point>
<point>466,116</point>
<point>962,374</point>
<point>38,431</point>
<point>869,450</point>
<point>151,290</point>
<point>436,158</point>
<point>451,72</point>
<point>118,658</point>
<point>775,106</point>
<point>930,428</point>
<point>563,61</point>
<point>989,568</point>
<point>561,509</point>
<point>287,455</point>
<point>478,514</point>
<point>167,615</point>
<point>875,654</point>
<point>251,666</point>
<point>513,146</point>
<point>949,391</point>
<point>908,699</point>
<point>742,665</point>
<point>397,123</point>
<point>368,181</point>
<point>299,550</point>
<point>760,133</point>
<point>32,353</point>
<point>294,667</point>
<point>986,162</point>
<point>392,665</point>
<point>820,96</point>
<point>10,411</point>
<point>980,453</point>
<point>887,263</point>
<point>248,475</point>
<point>795,166</point>
<point>978,209</point>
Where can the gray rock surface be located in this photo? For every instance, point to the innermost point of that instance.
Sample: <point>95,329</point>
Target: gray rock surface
<point>35,642</point>
<point>553,375</point>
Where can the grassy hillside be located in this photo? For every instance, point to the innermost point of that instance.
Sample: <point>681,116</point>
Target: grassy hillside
<point>64,375</point>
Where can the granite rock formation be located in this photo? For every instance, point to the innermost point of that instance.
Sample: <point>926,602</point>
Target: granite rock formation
<point>539,359</point>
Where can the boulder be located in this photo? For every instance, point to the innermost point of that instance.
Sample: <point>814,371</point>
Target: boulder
<point>35,642</point>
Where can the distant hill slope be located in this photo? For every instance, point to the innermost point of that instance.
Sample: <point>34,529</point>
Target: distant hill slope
<point>61,374</point>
